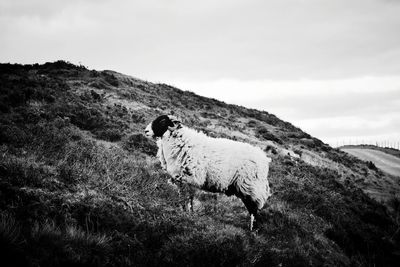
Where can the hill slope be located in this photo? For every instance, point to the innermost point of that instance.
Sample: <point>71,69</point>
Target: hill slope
<point>79,183</point>
<point>386,162</point>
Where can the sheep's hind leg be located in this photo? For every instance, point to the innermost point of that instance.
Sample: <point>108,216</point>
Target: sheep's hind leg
<point>251,222</point>
<point>191,197</point>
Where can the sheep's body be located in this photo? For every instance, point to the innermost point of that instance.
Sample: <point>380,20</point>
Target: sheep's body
<point>212,164</point>
<point>216,165</point>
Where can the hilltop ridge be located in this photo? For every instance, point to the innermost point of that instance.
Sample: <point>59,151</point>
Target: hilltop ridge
<point>79,181</point>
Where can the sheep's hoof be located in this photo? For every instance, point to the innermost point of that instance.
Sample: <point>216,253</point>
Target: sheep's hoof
<point>254,232</point>
<point>255,227</point>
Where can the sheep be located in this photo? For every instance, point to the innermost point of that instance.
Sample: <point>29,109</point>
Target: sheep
<point>212,164</point>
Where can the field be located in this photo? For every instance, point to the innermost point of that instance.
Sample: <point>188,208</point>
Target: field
<point>80,184</point>
<point>386,162</point>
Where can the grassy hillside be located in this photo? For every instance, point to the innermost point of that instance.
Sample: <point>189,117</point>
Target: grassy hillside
<point>79,183</point>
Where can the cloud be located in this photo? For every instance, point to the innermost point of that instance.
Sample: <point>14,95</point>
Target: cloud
<point>210,40</point>
<point>329,97</point>
<point>331,110</point>
<point>330,67</point>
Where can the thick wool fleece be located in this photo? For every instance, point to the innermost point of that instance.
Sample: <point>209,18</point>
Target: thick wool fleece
<point>216,164</point>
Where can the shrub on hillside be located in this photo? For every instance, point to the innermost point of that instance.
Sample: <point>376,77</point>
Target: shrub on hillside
<point>51,137</point>
<point>252,123</point>
<point>263,132</point>
<point>137,118</point>
<point>210,115</point>
<point>70,246</point>
<point>9,229</point>
<point>111,134</point>
<point>11,241</point>
<point>339,156</point>
<point>299,135</point>
<point>23,171</point>
<point>88,118</point>
<point>13,135</point>
<point>371,165</point>
<point>60,64</point>
<point>91,96</point>
<point>141,143</point>
<point>110,79</point>
<point>271,149</point>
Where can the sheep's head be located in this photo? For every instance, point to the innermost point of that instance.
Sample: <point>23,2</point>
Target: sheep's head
<point>160,125</point>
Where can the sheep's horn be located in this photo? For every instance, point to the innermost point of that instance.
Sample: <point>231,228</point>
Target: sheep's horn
<point>173,128</point>
<point>174,119</point>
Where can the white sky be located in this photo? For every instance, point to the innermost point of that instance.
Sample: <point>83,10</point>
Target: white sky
<point>330,67</point>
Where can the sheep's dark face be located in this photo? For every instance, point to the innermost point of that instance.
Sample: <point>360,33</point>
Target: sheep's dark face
<point>159,126</point>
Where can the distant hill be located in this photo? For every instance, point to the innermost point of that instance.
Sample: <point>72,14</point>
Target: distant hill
<point>386,159</point>
<point>80,184</point>
<point>387,150</point>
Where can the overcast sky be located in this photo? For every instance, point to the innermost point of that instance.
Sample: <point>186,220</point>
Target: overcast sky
<point>330,67</point>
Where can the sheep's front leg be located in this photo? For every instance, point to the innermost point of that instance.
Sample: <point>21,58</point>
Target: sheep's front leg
<point>253,211</point>
<point>188,206</point>
<point>187,192</point>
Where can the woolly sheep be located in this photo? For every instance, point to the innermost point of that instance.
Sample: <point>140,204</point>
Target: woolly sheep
<point>212,164</point>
